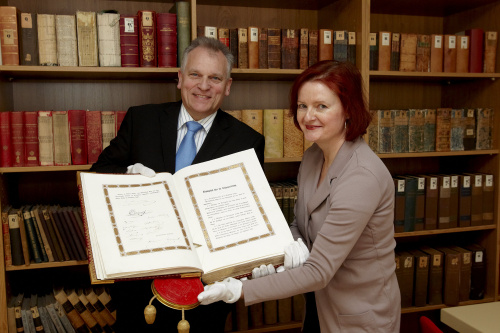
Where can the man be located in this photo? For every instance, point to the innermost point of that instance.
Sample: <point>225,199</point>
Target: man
<point>148,141</point>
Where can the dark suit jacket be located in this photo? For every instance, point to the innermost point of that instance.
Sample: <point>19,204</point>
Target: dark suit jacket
<point>148,135</point>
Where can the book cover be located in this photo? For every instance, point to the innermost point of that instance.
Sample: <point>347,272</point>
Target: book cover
<point>94,135</point>
<point>420,204</point>
<point>293,138</point>
<point>108,39</point>
<point>400,140</point>
<point>385,131</point>
<point>484,127</point>
<point>253,118</point>
<point>457,127</point>
<point>9,35</point>
<point>423,62</point>
<point>273,133</point>
<point>451,278</point>
<point>399,205</point>
<point>124,256</point>
<point>47,324</point>
<point>490,51</point>
<point>5,139</point>
<point>45,138</point>
<point>384,50</point>
<point>233,45</point>
<point>129,41</point>
<point>62,147</point>
<point>429,129</point>
<point>462,54</point>
<point>469,129</point>
<point>450,54</point>
<point>421,279</point>
<point>395,41</point>
<point>37,233</point>
<point>454,194</point>
<point>444,193</point>
<point>304,48</point>
<point>410,189</point>
<point>416,124</point>
<point>33,247</point>
<point>464,200</point>
<point>488,199</point>
<point>476,47</point>
<point>408,52</point>
<point>351,47</point>
<point>431,202</point>
<point>253,47</point>
<point>183,11</point>
<point>242,48</point>
<point>37,321</point>
<point>148,46</point>
<point>26,316</point>
<point>223,36</point>
<point>372,131</point>
<point>405,273</point>
<point>274,48</point>
<point>443,129</point>
<point>313,47</point>
<point>435,285</point>
<point>29,40</point>
<point>18,312</point>
<point>44,233</point>
<point>78,136</point>
<point>31,145</point>
<point>47,42</point>
<point>478,271</point>
<point>166,30</point>
<point>263,48</point>
<point>16,242</point>
<point>465,272</point>
<point>108,126</point>
<point>66,40</point>
<point>325,44</point>
<point>373,40</point>
<point>17,134</point>
<point>86,28</point>
<point>476,206</point>
<point>289,48</point>
<point>436,53</point>
<point>340,44</point>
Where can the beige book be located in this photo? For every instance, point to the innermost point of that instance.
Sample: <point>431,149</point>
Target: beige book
<point>254,119</point>
<point>67,49</point>
<point>235,113</point>
<point>45,138</point>
<point>62,146</point>
<point>220,216</point>
<point>273,133</point>
<point>47,50</point>
<point>108,120</point>
<point>108,34</point>
<point>86,29</point>
<point>293,138</point>
<point>307,144</point>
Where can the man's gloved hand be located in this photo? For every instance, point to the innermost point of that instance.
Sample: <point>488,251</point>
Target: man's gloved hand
<point>296,254</point>
<point>228,290</point>
<point>141,169</point>
<point>264,270</point>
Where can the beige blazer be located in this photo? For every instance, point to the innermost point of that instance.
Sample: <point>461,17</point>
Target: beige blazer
<point>347,222</point>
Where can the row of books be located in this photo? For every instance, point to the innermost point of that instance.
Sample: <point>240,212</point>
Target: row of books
<point>83,309</point>
<point>424,130</point>
<point>470,51</point>
<point>441,274</point>
<point>426,202</point>
<point>147,39</point>
<point>286,196</point>
<point>45,138</point>
<point>36,234</point>
<point>261,47</point>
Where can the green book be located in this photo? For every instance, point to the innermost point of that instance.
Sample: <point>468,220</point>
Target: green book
<point>183,28</point>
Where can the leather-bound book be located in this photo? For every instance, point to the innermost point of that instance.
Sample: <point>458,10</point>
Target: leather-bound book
<point>94,135</point>
<point>256,315</point>
<point>325,44</point>
<point>423,53</point>
<point>443,129</point>
<point>17,133</point>
<point>351,47</point>
<point>108,39</point>
<point>476,49</point>
<point>399,205</point>
<point>78,136</point>
<point>298,307</point>
<point>60,246</point>
<point>253,118</point>
<point>465,272</point>
<point>340,44</point>
<point>372,131</point>
<point>31,146</point>
<point>32,236</point>
<point>462,54</point>
<point>400,139</point>
<point>490,51</point>
<point>65,231</point>
<point>313,47</point>
<point>47,40</point>
<point>410,189</point>
<point>44,234</point>
<point>421,280</point>
<point>431,202</point>
<point>478,271</point>
<point>304,48</point>
<point>97,304</point>
<point>9,35</point>
<point>45,138</point>
<point>270,312</point>
<point>385,131</point>
<point>293,138</point>
<point>241,314</point>
<point>74,233</point>
<point>182,9</point>
<point>273,133</point>
<point>464,200</point>
<point>83,300</point>
<point>450,54</point>
<point>420,204</point>
<point>373,45</point>
<point>436,270</point>
<point>253,47</point>
<point>233,45</point>
<point>263,48</point>
<point>62,147</point>
<point>405,273</point>
<point>86,28</point>
<point>444,193</point>
<point>384,50</point>
<point>488,199</point>
<point>457,129</point>
<point>29,40</point>
<point>223,36</point>
<point>129,41</point>
<point>476,205</point>
<point>274,48</point>
<point>147,38</point>
<point>16,246</point>
<point>108,126</point>
<point>67,42</point>
<point>451,278</point>
<point>166,30</point>
<point>242,48</point>
<point>454,194</point>
<point>436,53</point>
<point>408,52</point>
<point>395,49</point>
<point>416,121</point>
<point>74,317</point>
<point>235,113</point>
<point>469,138</point>
<point>484,127</point>
<point>289,48</point>
<point>6,236</point>
<point>82,310</point>
<point>285,310</point>
<point>5,139</point>
<point>429,129</point>
<point>207,31</point>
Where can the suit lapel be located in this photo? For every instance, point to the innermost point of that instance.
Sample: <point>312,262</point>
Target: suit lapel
<point>216,137</point>
<point>168,132</point>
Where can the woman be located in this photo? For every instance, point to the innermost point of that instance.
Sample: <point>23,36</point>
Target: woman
<point>344,213</point>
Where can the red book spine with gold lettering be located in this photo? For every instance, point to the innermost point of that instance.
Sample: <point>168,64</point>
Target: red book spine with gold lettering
<point>31,148</point>
<point>94,135</point>
<point>147,38</point>
<point>5,139</point>
<point>166,30</point>
<point>17,132</point>
<point>78,136</point>
<point>129,41</point>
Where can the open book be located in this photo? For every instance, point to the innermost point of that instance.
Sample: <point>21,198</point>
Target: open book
<point>218,218</point>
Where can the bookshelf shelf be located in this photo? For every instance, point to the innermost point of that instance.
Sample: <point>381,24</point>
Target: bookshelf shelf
<point>47,265</point>
<point>443,231</point>
<point>45,168</point>
<point>415,309</point>
<point>441,154</point>
<point>394,75</point>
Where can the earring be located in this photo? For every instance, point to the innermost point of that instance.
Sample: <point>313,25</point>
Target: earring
<point>345,124</point>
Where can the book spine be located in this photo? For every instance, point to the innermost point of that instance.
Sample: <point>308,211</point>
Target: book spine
<point>488,199</point>
<point>399,205</point>
<point>340,40</point>
<point>325,44</point>
<point>47,39</point>
<point>67,44</point>
<point>16,243</point>
<point>29,40</point>
<point>457,123</point>
<point>223,36</point>
<point>443,129</point>
<point>384,50</point>
<point>415,130</point>
<point>313,47</point>
<point>253,47</point>
<point>454,201</point>
<point>373,47</point>
<point>31,149</point>
<point>71,313</point>
<point>408,53</point>
<point>65,233</point>
<point>444,189</point>
<point>303,48</point>
<point>17,133</point>
<point>93,312</point>
<point>94,135</point>
<point>82,310</point>
<point>273,132</point>
<point>289,49</point>
<point>490,51</point>
<point>462,54</point>
<point>129,41</point>
<point>49,218</point>
<point>5,139</point>
<point>436,53</point>
<point>74,234</point>
<point>253,118</point>
<point>108,39</point>
<point>431,203</point>
<point>6,238</point>
<point>400,140</point>
<point>62,139</point>
<point>430,130</point>
<point>476,50</point>
<point>484,127</point>
<point>9,25</point>
<point>166,30</point>
<point>423,57</point>
<point>108,120</point>
<point>293,138</point>
<point>274,48</point>
<point>242,48</point>
<point>395,51</point>
<point>183,28</point>
<point>97,304</point>
<point>45,236</point>
<point>39,238</point>
<point>32,237</point>
<point>450,54</point>
<point>88,55</point>
<point>385,130</point>
<point>78,135</point>
<point>263,48</point>
<point>45,138</point>
<point>147,38</point>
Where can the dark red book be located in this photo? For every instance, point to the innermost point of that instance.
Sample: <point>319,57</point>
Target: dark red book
<point>233,45</point>
<point>17,133</point>
<point>166,30</point>
<point>129,41</point>
<point>94,135</point>
<point>290,48</point>
<point>78,136</point>
<point>119,118</point>
<point>475,50</point>
<point>5,140</point>
<point>31,146</point>
<point>147,38</point>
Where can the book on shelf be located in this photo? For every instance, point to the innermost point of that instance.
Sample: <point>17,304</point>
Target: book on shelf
<point>410,193</point>
<point>129,41</point>
<point>340,45</point>
<point>490,51</point>
<point>242,48</point>
<point>18,302</point>
<point>298,307</point>
<point>325,44</point>
<point>451,276</point>
<point>37,320</point>
<point>223,35</point>
<point>16,218</point>
<point>420,204</point>
<point>108,38</point>
<point>465,272</point>
<point>147,38</point>
<point>450,54</point>
<point>488,208</point>
<point>285,310</point>
<point>120,115</point>
<point>351,47</point>
<point>34,237</point>
<point>373,47</point>
<point>405,274</point>
<point>47,323</point>
<point>313,47</point>
<point>421,278</point>
<point>166,31</point>
<point>57,314</point>
<point>289,48</point>
<point>273,132</point>
<point>384,50</point>
<point>469,138</point>
<point>443,129</point>
<point>5,139</point>
<point>86,31</point>
<point>444,194</point>
<point>66,40</point>
<point>454,194</point>
<point>484,127</point>
<point>82,298</point>
<point>462,54</point>
<point>207,31</point>
<point>99,306</point>
<point>235,113</point>
<point>270,309</point>
<point>464,200</point>
<point>400,139</point>
<point>385,130</point>
<point>235,180</point>
<point>457,122</point>
<point>45,138</point>
<point>303,48</point>
<point>416,124</point>
<point>476,36</point>
<point>263,61</point>
<point>74,233</point>
<point>78,136</point>
<point>399,205</point>
<point>6,236</point>
<point>94,135</point>
<point>256,315</point>
<point>253,47</point>
<point>66,233</point>
<point>62,148</point>
<point>47,41</point>
<point>108,127</point>
<point>45,239</point>
<point>253,118</point>
<point>423,57</point>
<point>478,271</point>
<point>28,50</point>
<point>31,144</point>
<point>9,35</point>
<point>293,138</point>
<point>83,311</point>
<point>429,129</point>
<point>11,314</point>
<point>241,315</point>
<point>183,12</point>
<point>431,202</point>
<point>26,315</point>
<point>436,53</point>
<point>71,312</point>
<point>105,298</point>
<point>17,134</point>
<point>233,45</point>
<point>408,52</point>
<point>436,268</point>
<point>395,51</point>
<point>372,131</point>
<point>59,240</point>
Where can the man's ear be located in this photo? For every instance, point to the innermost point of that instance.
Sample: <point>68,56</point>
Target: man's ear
<point>228,86</point>
<point>179,76</point>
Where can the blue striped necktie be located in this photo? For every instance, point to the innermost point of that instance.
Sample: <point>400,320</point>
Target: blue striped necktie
<point>187,149</point>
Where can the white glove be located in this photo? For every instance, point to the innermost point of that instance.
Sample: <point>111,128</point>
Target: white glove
<point>296,254</point>
<point>141,169</point>
<point>264,270</point>
<point>229,291</point>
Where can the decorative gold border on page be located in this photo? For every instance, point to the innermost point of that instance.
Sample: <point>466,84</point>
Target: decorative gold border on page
<point>116,232</point>
<point>255,196</point>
